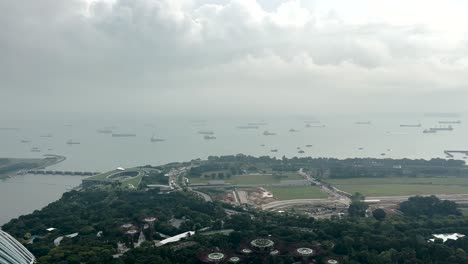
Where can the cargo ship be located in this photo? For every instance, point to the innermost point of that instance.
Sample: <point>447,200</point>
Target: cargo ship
<point>309,125</point>
<point>450,122</point>
<point>154,139</point>
<point>411,125</point>
<point>71,142</point>
<point>363,123</point>
<point>448,128</point>
<point>123,135</point>
<point>206,132</point>
<point>293,130</point>
<point>104,131</point>
<point>208,137</point>
<point>267,133</point>
<point>429,131</point>
<point>248,127</point>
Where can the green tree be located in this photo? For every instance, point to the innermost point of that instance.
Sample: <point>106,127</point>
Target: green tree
<point>379,214</point>
<point>358,207</point>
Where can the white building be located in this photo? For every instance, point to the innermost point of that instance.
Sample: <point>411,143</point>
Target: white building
<point>13,252</point>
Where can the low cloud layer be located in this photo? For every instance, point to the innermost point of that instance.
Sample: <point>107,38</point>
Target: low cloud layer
<point>177,56</point>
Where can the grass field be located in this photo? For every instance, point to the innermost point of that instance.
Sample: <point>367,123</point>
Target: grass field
<point>251,179</point>
<point>135,181</point>
<point>303,192</point>
<point>402,185</point>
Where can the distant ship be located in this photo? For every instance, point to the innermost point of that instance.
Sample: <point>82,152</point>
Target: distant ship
<point>274,150</point>
<point>312,122</point>
<point>205,132</point>
<point>309,146</point>
<point>262,145</point>
<point>293,130</point>
<point>46,136</point>
<point>104,131</point>
<point>208,137</point>
<point>258,124</point>
<point>301,151</point>
<point>154,139</point>
<point>309,125</point>
<point>25,141</point>
<point>429,131</point>
<point>360,148</point>
<point>449,128</point>
<point>411,125</point>
<point>71,142</point>
<point>35,150</point>
<point>267,133</point>
<point>123,135</point>
<point>363,123</point>
<point>248,127</point>
<point>450,122</point>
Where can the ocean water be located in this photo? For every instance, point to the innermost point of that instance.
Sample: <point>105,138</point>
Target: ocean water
<point>340,138</point>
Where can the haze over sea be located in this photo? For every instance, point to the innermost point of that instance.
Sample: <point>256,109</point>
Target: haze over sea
<point>340,138</point>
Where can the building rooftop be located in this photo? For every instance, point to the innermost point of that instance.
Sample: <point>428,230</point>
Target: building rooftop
<point>12,251</point>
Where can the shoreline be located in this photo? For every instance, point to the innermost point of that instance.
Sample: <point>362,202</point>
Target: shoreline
<point>45,162</point>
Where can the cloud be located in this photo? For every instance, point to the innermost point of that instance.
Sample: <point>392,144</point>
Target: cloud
<point>146,54</point>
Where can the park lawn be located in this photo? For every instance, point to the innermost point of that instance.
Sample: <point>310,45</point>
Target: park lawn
<point>102,176</point>
<point>302,192</point>
<point>135,181</point>
<point>402,180</point>
<point>402,186</point>
<point>261,178</point>
<point>250,179</point>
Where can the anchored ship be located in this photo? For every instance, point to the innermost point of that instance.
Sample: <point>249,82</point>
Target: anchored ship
<point>154,139</point>
<point>123,135</point>
<point>450,122</point>
<point>104,131</point>
<point>411,125</point>
<point>267,133</point>
<point>449,128</point>
<point>206,132</point>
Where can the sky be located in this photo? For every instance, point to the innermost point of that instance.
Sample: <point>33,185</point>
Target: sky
<point>186,57</point>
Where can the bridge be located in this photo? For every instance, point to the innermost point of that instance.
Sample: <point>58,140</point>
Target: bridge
<point>58,172</point>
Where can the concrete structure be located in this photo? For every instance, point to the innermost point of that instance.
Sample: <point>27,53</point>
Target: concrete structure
<point>59,239</point>
<point>262,244</point>
<point>234,259</point>
<point>332,261</point>
<point>446,237</point>
<point>150,221</point>
<point>13,252</point>
<point>305,251</point>
<point>215,257</point>
<point>246,251</point>
<point>176,238</point>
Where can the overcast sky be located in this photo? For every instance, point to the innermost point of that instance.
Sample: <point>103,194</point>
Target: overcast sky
<point>233,56</point>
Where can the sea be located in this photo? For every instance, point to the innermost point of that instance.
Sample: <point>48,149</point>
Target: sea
<point>329,136</point>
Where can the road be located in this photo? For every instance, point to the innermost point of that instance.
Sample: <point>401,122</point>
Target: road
<point>332,192</point>
<point>205,196</point>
